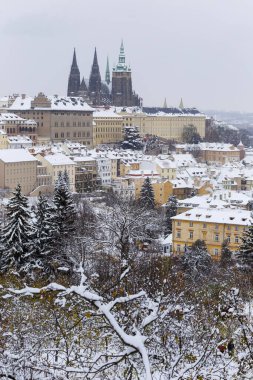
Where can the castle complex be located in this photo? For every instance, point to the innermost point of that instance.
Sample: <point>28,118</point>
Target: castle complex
<point>96,92</point>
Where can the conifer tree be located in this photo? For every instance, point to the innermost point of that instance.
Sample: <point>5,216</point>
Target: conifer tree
<point>245,256</point>
<point>226,254</point>
<point>132,139</point>
<point>64,207</point>
<point>16,233</point>
<point>171,210</point>
<point>45,233</point>
<point>147,198</point>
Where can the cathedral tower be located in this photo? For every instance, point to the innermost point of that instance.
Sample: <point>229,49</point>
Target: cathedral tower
<point>122,94</point>
<point>95,82</point>
<point>74,78</point>
<point>107,73</point>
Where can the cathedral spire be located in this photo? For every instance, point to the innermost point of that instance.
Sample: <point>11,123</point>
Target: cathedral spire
<point>74,78</point>
<point>95,81</point>
<point>181,105</point>
<point>165,103</point>
<point>74,62</point>
<point>95,59</point>
<point>107,73</point>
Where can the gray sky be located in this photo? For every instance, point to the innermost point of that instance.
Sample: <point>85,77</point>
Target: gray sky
<point>201,50</point>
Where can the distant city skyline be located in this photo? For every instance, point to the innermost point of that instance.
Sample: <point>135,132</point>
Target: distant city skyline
<point>194,49</point>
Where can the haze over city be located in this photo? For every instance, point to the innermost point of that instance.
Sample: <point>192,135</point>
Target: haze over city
<point>198,50</point>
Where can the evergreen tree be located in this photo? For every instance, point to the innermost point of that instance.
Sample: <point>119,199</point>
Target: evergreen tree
<point>147,198</point>
<point>226,254</point>
<point>65,213</point>
<point>16,233</point>
<point>245,255</point>
<point>171,210</point>
<point>132,139</point>
<point>45,234</point>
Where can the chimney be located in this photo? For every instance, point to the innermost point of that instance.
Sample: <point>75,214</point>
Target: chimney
<point>23,96</point>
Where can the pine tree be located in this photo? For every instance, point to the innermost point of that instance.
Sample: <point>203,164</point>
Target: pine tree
<point>17,232</point>
<point>147,198</point>
<point>45,234</point>
<point>64,207</point>
<point>132,139</point>
<point>171,210</point>
<point>245,255</point>
<point>226,254</point>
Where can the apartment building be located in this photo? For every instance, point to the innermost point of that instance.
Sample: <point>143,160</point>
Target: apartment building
<point>56,163</point>
<point>58,118</point>
<point>18,167</point>
<point>14,125</point>
<point>107,127</point>
<point>211,225</point>
<point>220,153</point>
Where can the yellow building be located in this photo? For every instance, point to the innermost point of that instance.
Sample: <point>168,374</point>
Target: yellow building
<point>4,144</point>
<point>168,125</point>
<point>211,225</point>
<point>107,127</point>
<point>56,163</point>
<point>17,166</point>
<point>162,187</point>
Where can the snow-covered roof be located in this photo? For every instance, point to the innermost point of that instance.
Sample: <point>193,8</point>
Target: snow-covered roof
<point>58,159</point>
<point>103,113</point>
<point>167,240</point>
<point>184,159</point>
<point>10,117</point>
<point>19,139</point>
<point>16,155</point>
<point>58,103</point>
<point>218,216</point>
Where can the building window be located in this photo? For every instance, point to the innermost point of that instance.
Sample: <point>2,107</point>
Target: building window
<point>62,134</point>
<point>216,252</point>
<point>191,235</point>
<point>204,225</point>
<point>228,228</point>
<point>216,226</point>
<point>236,228</point>
<point>236,239</point>
<point>178,248</point>
<point>228,238</point>
<point>178,234</point>
<point>216,237</point>
<point>191,224</point>
<point>179,223</point>
<point>56,135</point>
<point>56,124</point>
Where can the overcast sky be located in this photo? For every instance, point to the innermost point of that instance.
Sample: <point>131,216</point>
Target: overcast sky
<point>200,50</point>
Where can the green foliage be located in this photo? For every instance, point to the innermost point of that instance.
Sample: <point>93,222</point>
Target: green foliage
<point>132,139</point>
<point>16,233</point>
<point>245,255</point>
<point>190,135</point>
<point>171,210</point>
<point>147,198</point>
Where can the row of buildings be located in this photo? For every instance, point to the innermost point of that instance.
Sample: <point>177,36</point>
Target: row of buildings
<point>208,209</point>
<point>53,118</point>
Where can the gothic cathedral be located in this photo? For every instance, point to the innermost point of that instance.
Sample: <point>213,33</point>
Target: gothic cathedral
<point>96,92</point>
